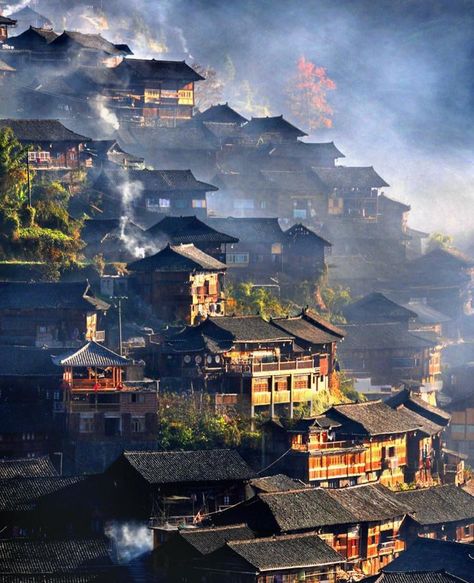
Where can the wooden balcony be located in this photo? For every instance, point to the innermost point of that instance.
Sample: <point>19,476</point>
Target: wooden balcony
<point>254,367</point>
<point>83,407</point>
<point>337,471</point>
<point>303,395</point>
<point>326,446</point>
<point>91,385</point>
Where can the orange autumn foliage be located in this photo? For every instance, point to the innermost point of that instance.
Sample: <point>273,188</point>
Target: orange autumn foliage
<point>307,92</point>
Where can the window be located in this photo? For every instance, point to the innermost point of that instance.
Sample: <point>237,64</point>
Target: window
<point>237,258</point>
<point>276,248</point>
<point>199,203</point>
<point>164,202</point>
<point>86,423</point>
<point>138,424</point>
<point>456,428</point>
<point>300,213</point>
<point>39,156</point>
<point>137,398</point>
<point>243,203</point>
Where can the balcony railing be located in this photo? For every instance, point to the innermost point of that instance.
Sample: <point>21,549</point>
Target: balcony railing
<point>251,367</point>
<point>80,406</point>
<point>93,385</point>
<point>327,445</point>
<point>337,471</point>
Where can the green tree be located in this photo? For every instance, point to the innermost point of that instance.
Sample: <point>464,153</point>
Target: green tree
<point>245,298</point>
<point>439,241</point>
<point>13,171</point>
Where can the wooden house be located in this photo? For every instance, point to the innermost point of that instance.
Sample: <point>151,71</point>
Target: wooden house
<point>383,431</point>
<point>311,154</point>
<point>183,230</point>
<point>387,353</point>
<point>264,250</point>
<point>66,559</point>
<point>460,434</point>
<point>285,558</point>
<point>253,364</point>
<point>439,512</point>
<point>49,314</point>
<point>51,145</point>
<point>304,253</point>
<point>28,429</point>
<point>117,240</point>
<point>176,487</point>
<point>222,121</point>
<point>415,577</point>
<point>434,556</point>
<point>443,278</point>
<point>90,50</point>
<point>273,130</point>
<point>98,399</point>
<point>180,282</point>
<point>102,154</point>
<point>5,24</point>
<point>156,193</point>
<point>425,447</point>
<point>376,308</point>
<point>353,192</point>
<point>332,452</point>
<point>361,523</point>
<point>38,467</point>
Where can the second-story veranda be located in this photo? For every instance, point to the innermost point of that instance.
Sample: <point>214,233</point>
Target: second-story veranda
<point>92,368</point>
<point>248,362</point>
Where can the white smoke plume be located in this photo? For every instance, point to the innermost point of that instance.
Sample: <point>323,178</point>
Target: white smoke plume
<point>107,116</point>
<point>131,539</point>
<point>11,8</point>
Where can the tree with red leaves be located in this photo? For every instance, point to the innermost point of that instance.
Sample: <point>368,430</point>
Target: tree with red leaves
<point>307,92</point>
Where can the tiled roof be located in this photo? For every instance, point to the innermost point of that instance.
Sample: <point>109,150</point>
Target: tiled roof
<point>386,202</point>
<point>260,125</point>
<point>32,556</point>
<point>7,21</point>
<point>5,67</point>
<point>433,555</point>
<point>65,578</point>
<point>146,69</point>
<point>165,467</point>
<point>307,329</point>
<point>207,540</point>
<point>305,509</point>
<point>425,314</point>
<point>244,329</point>
<point>27,468</point>
<point>301,233</point>
<point>41,130</point>
<point>307,150</point>
<point>93,355</point>
<point>426,425</point>
<point>221,113</point>
<point>188,230</point>
<point>277,483</point>
<point>250,230</point>
<point>169,180</point>
<point>88,41</point>
<point>25,39</point>
<point>377,307</point>
<point>23,494</point>
<point>16,418</point>
<point>348,177</point>
<point>382,336</point>
<point>301,181</point>
<point>286,552</point>
<point>439,504</point>
<point>27,296</point>
<point>414,577</point>
<point>178,258</point>
<point>415,403</point>
<point>371,418</point>
<point>369,502</point>
<point>27,361</point>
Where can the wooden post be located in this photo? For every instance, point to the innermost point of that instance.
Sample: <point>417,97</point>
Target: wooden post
<point>272,397</point>
<point>291,396</point>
